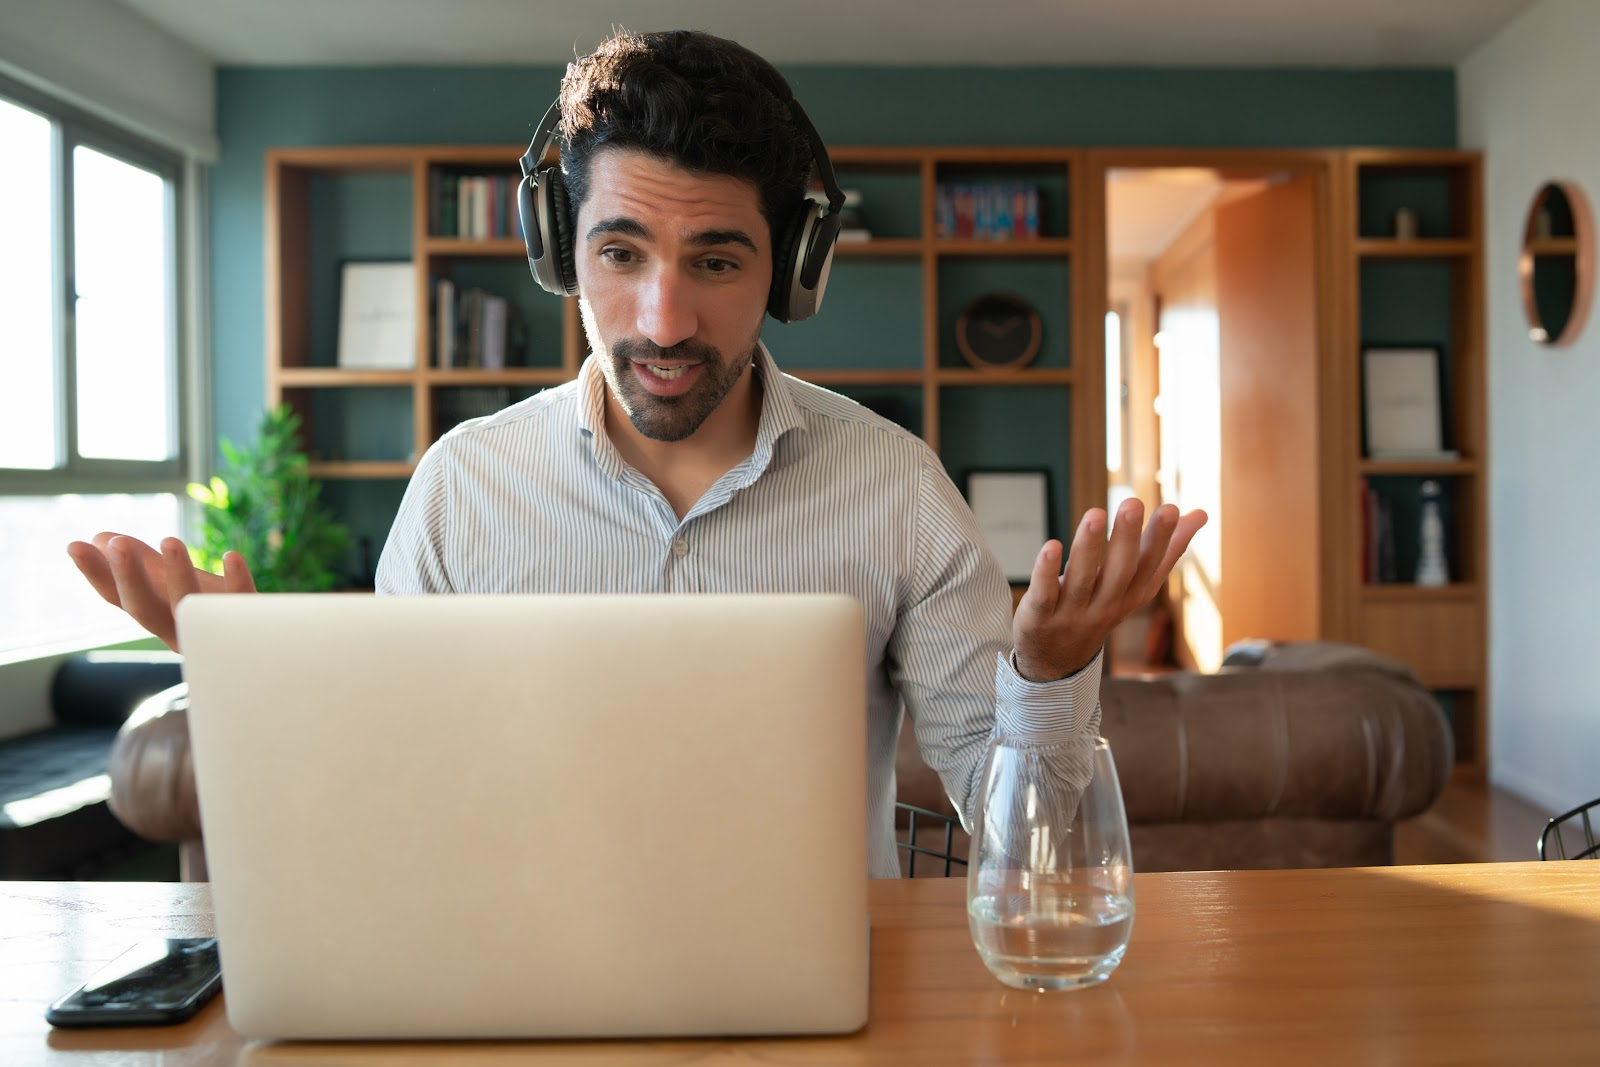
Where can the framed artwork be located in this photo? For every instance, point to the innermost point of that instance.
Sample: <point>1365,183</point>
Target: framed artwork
<point>1400,389</point>
<point>1013,512</point>
<point>378,316</point>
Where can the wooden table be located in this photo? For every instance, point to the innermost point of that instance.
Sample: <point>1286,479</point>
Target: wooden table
<point>1454,964</point>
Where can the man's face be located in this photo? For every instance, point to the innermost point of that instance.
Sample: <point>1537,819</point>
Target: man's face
<point>673,273</point>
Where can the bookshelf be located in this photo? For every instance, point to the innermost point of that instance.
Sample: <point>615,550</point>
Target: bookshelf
<point>885,337</point>
<point>1425,291</point>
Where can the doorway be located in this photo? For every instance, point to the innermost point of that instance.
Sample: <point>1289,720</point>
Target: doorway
<point>1214,327</point>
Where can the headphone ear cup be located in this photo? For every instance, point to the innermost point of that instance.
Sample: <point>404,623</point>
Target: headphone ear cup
<point>561,251</point>
<point>788,256</point>
<point>547,233</point>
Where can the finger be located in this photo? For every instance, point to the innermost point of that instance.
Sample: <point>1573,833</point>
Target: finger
<point>140,597</point>
<point>180,577</point>
<point>1083,562</point>
<point>1044,585</point>
<point>236,576</point>
<point>93,565</point>
<point>1122,553</point>
<point>149,558</point>
<point>1153,550</point>
<point>1187,526</point>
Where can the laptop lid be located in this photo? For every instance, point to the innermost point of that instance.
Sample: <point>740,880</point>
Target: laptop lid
<point>533,816</point>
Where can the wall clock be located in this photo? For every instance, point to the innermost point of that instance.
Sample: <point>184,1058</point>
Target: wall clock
<point>998,330</point>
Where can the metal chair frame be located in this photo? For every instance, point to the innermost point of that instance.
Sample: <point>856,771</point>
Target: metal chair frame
<point>1553,831</point>
<point>913,850</point>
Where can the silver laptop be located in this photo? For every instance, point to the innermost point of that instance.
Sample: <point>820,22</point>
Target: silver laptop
<point>533,816</point>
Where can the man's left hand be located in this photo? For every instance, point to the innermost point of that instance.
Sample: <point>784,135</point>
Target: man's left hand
<point>1065,617</point>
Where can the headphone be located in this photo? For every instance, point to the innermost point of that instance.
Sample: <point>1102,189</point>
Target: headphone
<point>802,252</point>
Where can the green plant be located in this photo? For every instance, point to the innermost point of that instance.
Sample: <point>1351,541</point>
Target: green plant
<point>264,505</point>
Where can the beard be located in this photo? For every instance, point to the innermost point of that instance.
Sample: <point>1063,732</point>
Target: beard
<point>671,418</point>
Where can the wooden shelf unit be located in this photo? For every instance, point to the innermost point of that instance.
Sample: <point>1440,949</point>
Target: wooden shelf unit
<point>1441,631</point>
<point>944,397</point>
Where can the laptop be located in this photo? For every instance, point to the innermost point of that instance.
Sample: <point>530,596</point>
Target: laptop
<point>533,816</point>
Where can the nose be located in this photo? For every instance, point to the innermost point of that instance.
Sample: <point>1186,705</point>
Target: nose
<point>667,312</point>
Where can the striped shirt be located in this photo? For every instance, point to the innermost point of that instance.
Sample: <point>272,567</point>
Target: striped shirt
<point>834,499</point>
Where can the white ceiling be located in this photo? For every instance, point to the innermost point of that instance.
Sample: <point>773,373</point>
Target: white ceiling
<point>1340,33</point>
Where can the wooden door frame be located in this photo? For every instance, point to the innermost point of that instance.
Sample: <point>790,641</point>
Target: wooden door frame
<point>1334,312</point>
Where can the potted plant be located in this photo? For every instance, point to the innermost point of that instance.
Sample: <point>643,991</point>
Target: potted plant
<point>264,505</point>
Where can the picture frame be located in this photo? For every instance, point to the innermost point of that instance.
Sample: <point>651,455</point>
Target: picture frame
<point>1402,414</point>
<point>378,315</point>
<point>1012,507</point>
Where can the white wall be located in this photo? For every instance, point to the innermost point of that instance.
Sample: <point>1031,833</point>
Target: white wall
<point>106,59</point>
<point>1528,98</point>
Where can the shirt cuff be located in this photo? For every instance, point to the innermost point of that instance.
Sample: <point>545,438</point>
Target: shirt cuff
<point>1047,710</point>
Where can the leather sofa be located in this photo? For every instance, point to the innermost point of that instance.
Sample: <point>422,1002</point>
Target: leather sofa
<point>1294,755</point>
<point>1300,755</point>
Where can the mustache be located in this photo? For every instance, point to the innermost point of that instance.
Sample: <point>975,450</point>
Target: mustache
<point>642,350</point>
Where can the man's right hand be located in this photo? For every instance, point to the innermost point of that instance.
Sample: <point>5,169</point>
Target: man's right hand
<point>148,584</point>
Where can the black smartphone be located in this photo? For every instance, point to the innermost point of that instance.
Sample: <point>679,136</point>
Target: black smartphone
<point>159,981</point>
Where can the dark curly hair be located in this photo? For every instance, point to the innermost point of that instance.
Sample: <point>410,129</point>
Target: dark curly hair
<point>701,102</point>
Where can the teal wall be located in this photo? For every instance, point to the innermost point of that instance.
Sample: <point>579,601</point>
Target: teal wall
<point>262,107</point>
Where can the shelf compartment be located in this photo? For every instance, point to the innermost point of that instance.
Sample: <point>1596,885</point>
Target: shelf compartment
<point>1044,282</point>
<point>871,319</point>
<point>361,427</point>
<point>1400,497</point>
<point>1437,191</point>
<point>993,427</point>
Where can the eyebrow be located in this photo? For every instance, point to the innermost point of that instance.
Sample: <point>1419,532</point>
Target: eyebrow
<point>629,227</point>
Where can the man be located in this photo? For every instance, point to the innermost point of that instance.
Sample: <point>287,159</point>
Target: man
<point>681,460</point>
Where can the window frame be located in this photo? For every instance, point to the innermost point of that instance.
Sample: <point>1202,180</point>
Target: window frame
<point>72,127</point>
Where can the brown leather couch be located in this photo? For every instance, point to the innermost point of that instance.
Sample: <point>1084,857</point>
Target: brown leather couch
<point>1295,755</point>
<point>1306,757</point>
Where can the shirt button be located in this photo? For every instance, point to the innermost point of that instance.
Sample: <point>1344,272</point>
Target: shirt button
<point>680,548</point>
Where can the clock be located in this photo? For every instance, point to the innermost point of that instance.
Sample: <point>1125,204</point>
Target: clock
<point>998,330</point>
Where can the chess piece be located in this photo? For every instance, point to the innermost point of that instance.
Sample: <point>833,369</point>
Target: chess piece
<point>1431,568</point>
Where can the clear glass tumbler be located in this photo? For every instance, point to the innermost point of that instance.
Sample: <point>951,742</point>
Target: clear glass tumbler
<point>1050,880</point>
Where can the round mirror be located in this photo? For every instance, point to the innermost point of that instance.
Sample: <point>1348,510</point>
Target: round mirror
<point>1557,263</point>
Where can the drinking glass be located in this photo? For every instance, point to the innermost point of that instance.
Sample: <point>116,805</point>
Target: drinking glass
<point>1050,878</point>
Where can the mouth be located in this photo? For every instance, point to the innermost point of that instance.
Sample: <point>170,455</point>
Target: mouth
<point>666,374</point>
<point>665,379</point>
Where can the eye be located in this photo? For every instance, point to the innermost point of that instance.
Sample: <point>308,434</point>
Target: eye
<point>619,256</point>
<point>715,265</point>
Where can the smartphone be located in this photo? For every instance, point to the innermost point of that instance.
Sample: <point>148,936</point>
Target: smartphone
<point>159,981</point>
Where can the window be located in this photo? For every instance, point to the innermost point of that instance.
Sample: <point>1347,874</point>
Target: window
<point>90,396</point>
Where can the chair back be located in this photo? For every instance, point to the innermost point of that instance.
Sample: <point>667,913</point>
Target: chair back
<point>1571,835</point>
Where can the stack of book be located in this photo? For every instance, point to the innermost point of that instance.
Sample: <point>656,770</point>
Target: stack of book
<point>474,328</point>
<point>987,211</point>
<point>474,206</point>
